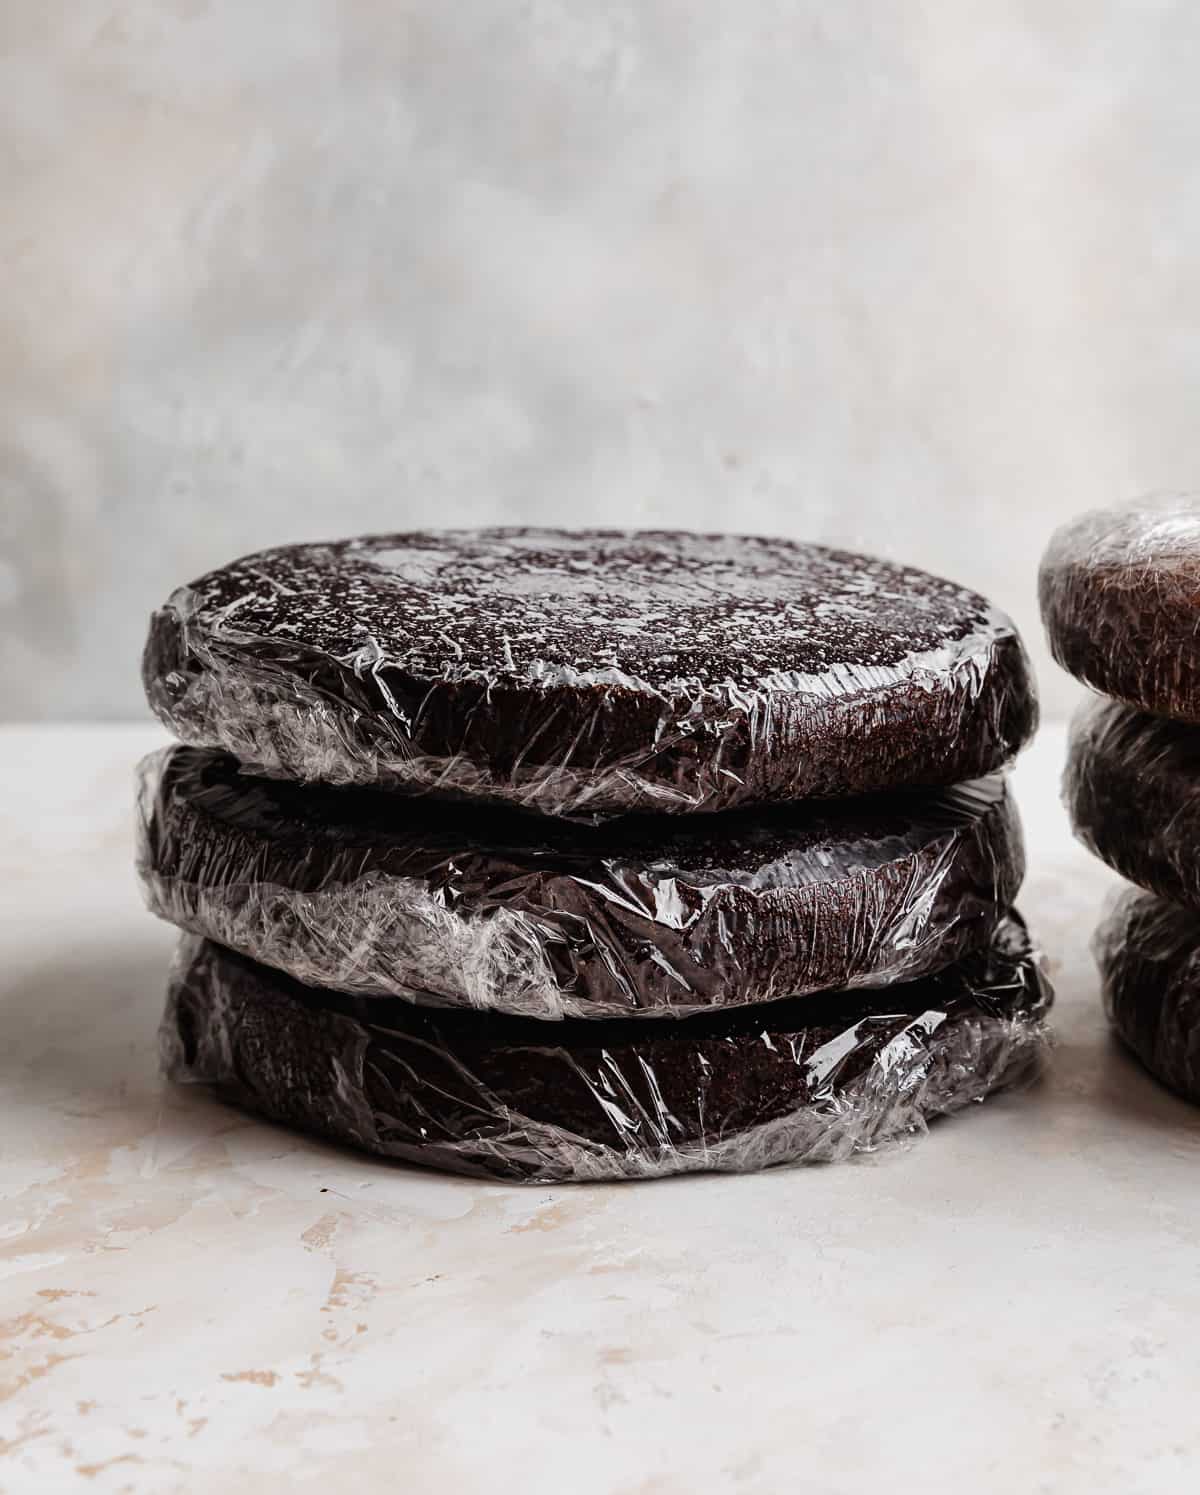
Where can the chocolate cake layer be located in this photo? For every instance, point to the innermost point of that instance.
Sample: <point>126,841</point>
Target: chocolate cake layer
<point>1120,593</point>
<point>1148,951</point>
<point>591,673</point>
<point>488,1094</point>
<point>463,905</point>
<point>1132,788</point>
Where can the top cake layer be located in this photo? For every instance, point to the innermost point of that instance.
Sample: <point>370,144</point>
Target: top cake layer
<point>591,673</point>
<point>1120,593</point>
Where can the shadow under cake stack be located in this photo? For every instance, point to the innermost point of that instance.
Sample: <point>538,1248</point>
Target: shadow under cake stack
<point>1120,594</point>
<point>578,855</point>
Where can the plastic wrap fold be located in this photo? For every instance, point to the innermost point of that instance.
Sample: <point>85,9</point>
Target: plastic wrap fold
<point>493,1095</point>
<point>1120,590</point>
<point>1148,951</point>
<point>592,673</point>
<point>1132,788</point>
<point>453,905</point>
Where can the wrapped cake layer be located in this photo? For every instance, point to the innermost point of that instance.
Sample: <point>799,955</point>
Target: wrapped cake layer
<point>593,673</point>
<point>459,905</point>
<point>1119,590</point>
<point>1148,951</point>
<point>815,1079</point>
<point>1132,788</point>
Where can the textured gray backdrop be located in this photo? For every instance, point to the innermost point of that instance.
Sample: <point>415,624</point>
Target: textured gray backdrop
<point>916,277</point>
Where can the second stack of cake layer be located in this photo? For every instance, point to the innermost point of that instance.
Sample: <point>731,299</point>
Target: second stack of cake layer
<point>1118,590</point>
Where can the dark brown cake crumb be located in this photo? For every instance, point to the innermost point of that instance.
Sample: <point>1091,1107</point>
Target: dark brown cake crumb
<point>591,673</point>
<point>1148,951</point>
<point>493,1095</point>
<point>463,905</point>
<point>1132,789</point>
<point>1120,594</point>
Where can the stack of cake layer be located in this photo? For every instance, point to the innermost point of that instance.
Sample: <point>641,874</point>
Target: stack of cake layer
<point>554,855</point>
<point>1120,593</point>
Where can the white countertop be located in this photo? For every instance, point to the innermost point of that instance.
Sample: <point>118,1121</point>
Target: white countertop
<point>193,1300</point>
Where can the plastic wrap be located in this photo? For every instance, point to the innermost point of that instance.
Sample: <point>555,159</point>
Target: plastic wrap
<point>1120,593</point>
<point>1148,951</point>
<point>1132,788</point>
<point>508,1097</point>
<point>447,904</point>
<point>591,673</point>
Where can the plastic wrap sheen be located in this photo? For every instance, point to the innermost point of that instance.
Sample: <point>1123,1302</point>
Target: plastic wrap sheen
<point>461,905</point>
<point>493,1095</point>
<point>591,673</point>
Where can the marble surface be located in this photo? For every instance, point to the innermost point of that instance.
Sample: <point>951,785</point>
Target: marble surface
<point>192,1300</point>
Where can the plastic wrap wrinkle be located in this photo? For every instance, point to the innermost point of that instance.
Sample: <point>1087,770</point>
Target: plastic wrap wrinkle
<point>497,1096</point>
<point>1132,788</point>
<point>1148,951</point>
<point>1119,591</point>
<point>445,904</point>
<point>671,673</point>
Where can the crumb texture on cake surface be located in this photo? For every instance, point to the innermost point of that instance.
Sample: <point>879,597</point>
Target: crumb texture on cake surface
<point>592,673</point>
